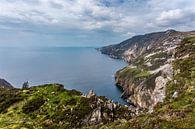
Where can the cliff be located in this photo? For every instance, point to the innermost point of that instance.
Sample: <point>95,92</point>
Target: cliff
<point>174,98</point>
<point>150,59</point>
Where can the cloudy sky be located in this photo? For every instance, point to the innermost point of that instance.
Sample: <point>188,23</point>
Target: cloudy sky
<point>89,22</point>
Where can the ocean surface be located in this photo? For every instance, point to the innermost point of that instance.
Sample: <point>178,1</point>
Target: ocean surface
<point>77,68</point>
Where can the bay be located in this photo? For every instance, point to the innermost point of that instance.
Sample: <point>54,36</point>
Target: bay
<point>80,68</point>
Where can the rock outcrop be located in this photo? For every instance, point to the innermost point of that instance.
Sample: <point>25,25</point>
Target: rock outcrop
<point>90,94</point>
<point>104,110</point>
<point>5,84</point>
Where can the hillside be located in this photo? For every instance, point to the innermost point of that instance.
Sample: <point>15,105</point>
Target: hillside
<point>144,44</point>
<point>51,106</point>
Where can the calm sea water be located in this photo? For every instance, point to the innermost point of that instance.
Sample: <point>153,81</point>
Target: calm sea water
<point>77,68</point>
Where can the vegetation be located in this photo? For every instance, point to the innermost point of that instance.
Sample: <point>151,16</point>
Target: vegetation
<point>51,106</point>
<point>186,47</point>
<point>133,72</point>
<point>42,107</point>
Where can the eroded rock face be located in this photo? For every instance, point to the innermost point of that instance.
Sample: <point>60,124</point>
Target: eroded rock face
<point>158,94</point>
<point>96,116</point>
<point>140,91</point>
<point>144,91</point>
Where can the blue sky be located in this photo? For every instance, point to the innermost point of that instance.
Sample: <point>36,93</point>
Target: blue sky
<point>89,22</point>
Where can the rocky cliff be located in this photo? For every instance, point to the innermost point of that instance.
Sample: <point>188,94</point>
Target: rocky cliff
<point>171,88</point>
<point>150,59</point>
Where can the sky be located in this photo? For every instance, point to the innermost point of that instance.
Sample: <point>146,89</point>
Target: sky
<point>89,22</point>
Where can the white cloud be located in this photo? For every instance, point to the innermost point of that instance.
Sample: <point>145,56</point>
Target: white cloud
<point>170,14</point>
<point>166,17</point>
<point>176,17</point>
<point>137,16</point>
<point>83,14</point>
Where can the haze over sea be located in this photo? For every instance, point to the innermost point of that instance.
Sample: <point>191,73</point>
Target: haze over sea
<point>80,68</point>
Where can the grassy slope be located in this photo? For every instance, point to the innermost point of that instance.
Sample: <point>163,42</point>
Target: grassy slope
<point>173,113</point>
<point>133,72</point>
<point>41,106</point>
<point>52,107</point>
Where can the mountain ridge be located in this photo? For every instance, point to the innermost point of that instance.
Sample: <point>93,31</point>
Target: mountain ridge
<point>118,50</point>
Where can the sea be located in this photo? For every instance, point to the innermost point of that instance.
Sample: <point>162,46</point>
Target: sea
<point>80,68</point>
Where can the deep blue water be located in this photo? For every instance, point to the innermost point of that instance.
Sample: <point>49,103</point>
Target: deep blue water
<point>77,68</point>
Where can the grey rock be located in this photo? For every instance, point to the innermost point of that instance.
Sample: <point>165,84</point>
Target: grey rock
<point>175,94</point>
<point>5,84</point>
<point>90,94</point>
<point>96,116</point>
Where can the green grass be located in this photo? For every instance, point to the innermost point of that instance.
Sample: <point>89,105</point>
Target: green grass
<point>187,47</point>
<point>142,74</point>
<point>39,104</point>
<point>133,72</point>
<point>49,107</point>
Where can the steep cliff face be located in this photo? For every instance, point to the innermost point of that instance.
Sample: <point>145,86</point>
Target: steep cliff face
<point>150,67</point>
<point>144,89</point>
